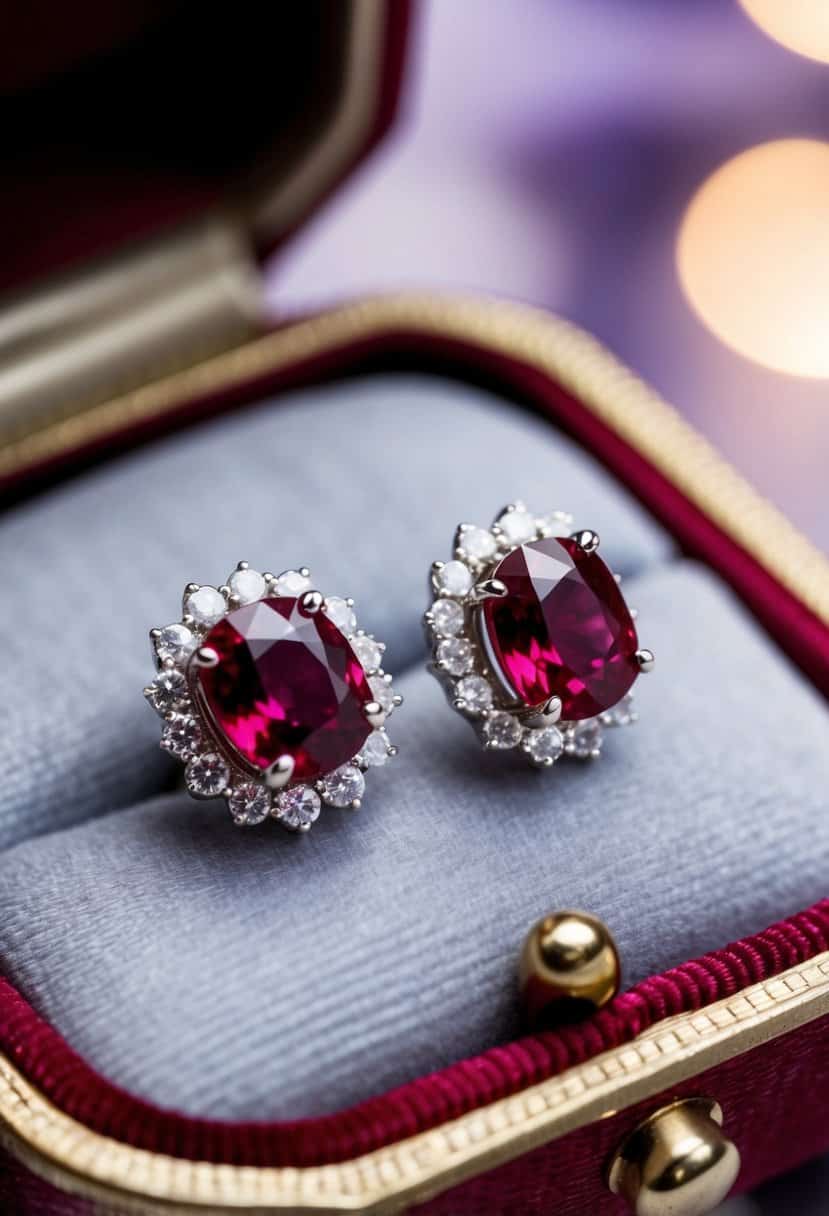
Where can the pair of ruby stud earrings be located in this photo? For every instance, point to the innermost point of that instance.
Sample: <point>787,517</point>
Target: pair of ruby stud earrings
<point>277,702</point>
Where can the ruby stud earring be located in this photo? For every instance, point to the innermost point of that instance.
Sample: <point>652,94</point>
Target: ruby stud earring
<point>531,637</point>
<point>272,697</point>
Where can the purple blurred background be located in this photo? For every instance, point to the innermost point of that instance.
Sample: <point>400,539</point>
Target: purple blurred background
<point>547,151</point>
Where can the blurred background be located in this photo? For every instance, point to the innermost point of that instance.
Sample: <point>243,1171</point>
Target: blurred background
<point>656,170</point>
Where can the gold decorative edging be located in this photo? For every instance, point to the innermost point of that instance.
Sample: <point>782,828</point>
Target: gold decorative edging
<point>551,345</point>
<point>388,1180</point>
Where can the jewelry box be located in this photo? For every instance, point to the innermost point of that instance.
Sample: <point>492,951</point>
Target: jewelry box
<point>198,1019</point>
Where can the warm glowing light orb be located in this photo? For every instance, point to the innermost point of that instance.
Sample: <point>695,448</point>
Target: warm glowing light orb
<point>753,255</point>
<point>799,25</point>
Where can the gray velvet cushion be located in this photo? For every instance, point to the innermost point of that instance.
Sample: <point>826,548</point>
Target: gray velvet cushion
<point>246,974</point>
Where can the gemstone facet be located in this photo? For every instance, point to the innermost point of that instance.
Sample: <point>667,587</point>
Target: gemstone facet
<point>454,578</point>
<point>249,804</point>
<point>285,684</point>
<point>447,617</point>
<point>344,787</point>
<point>502,731</point>
<point>206,775</point>
<point>297,808</point>
<point>563,629</point>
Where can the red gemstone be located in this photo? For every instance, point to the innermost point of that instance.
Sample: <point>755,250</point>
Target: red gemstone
<point>562,630</point>
<point>286,683</point>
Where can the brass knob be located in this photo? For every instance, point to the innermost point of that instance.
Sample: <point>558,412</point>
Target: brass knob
<point>678,1162</point>
<point>568,956</point>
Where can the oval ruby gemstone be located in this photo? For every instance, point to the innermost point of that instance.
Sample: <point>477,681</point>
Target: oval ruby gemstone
<point>562,630</point>
<point>286,683</point>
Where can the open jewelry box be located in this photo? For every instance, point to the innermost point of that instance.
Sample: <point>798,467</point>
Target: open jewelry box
<point>194,1018</point>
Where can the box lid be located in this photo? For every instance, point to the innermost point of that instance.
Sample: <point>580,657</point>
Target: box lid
<point>155,154</point>
<point>130,120</point>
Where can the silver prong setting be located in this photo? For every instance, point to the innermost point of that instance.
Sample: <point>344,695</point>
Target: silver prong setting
<point>205,656</point>
<point>489,589</point>
<point>280,773</point>
<point>644,659</point>
<point>374,714</point>
<point>586,539</point>
<point>310,603</point>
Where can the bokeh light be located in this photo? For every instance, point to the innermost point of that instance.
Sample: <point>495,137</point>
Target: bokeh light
<point>753,255</point>
<point>800,25</point>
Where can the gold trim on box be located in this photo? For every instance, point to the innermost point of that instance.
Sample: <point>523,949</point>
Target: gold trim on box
<point>552,346</point>
<point>390,1179</point>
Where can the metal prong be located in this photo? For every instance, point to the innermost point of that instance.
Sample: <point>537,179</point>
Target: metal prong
<point>489,589</point>
<point>552,711</point>
<point>191,588</point>
<point>374,714</point>
<point>279,773</point>
<point>645,659</point>
<point>242,566</point>
<point>205,656</point>
<point>310,603</point>
<point>587,540</point>
<point>155,634</point>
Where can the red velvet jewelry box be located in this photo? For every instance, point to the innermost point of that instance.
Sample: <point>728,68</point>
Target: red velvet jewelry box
<point>162,331</point>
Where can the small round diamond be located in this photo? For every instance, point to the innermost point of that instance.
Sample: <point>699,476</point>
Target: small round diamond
<point>475,691</point>
<point>454,578</point>
<point>375,750</point>
<point>478,544</point>
<point>382,693</point>
<point>206,606</point>
<point>292,582</point>
<point>447,617</point>
<point>502,731</point>
<point>169,689</point>
<point>249,804</point>
<point>620,714</point>
<point>557,523</point>
<point>341,613</point>
<point>247,586</point>
<point>455,656</point>
<point>544,746</point>
<point>517,526</point>
<point>175,642</point>
<point>206,775</point>
<point>369,655</point>
<point>585,740</point>
<point>297,808</point>
<point>344,786</point>
<point>181,735</point>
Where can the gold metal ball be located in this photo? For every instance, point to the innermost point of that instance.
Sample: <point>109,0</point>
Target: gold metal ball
<point>678,1162</point>
<point>568,957</point>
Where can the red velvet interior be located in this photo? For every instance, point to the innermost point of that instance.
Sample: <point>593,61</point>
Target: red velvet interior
<point>50,1063</point>
<point>120,120</point>
<point>774,1102</point>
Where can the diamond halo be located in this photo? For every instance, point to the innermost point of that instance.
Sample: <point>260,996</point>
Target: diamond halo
<point>217,764</point>
<point>498,689</point>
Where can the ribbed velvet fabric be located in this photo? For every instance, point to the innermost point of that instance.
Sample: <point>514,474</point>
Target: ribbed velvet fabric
<point>250,975</point>
<point>66,1078</point>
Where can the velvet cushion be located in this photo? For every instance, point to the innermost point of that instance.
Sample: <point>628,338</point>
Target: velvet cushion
<point>252,974</point>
